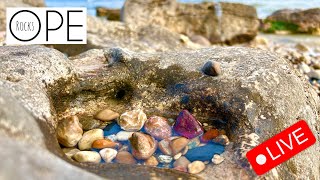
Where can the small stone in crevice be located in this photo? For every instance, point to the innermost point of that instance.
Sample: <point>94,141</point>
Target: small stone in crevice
<point>69,131</point>
<point>125,157</point>
<point>196,167</point>
<point>151,161</point>
<point>103,143</point>
<point>165,159</point>
<point>106,115</point>
<point>222,139</point>
<point>89,137</point>
<point>132,120</point>
<point>143,145</point>
<point>87,156</point>
<point>178,145</point>
<point>69,152</point>
<point>217,159</point>
<point>108,154</point>
<point>211,68</point>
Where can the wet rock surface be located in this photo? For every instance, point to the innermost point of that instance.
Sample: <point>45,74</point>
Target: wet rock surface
<point>250,97</point>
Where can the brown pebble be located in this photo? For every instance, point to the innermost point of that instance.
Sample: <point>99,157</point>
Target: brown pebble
<point>178,145</point>
<point>142,145</point>
<point>164,147</point>
<point>125,157</point>
<point>106,115</point>
<point>182,161</point>
<point>196,167</point>
<point>211,68</point>
<point>222,132</point>
<point>209,135</point>
<point>151,161</point>
<point>180,168</point>
<point>103,143</point>
<point>69,131</point>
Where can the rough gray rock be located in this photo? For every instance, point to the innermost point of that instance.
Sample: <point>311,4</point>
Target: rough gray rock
<point>30,78</point>
<point>146,38</point>
<point>28,71</point>
<point>23,146</point>
<point>257,96</point>
<point>232,23</point>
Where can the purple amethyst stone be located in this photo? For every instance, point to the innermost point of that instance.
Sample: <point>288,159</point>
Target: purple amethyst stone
<point>187,126</point>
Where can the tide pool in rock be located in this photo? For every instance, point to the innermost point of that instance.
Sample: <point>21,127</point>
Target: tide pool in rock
<point>153,141</point>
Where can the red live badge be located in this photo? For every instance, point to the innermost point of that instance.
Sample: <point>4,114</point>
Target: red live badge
<point>281,147</point>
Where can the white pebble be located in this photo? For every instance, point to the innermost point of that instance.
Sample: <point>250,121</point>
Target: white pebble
<point>112,137</point>
<point>165,159</point>
<point>177,156</point>
<point>305,68</point>
<point>88,138</point>
<point>124,135</point>
<point>108,154</point>
<point>222,139</point>
<point>314,74</point>
<point>196,167</point>
<point>217,159</point>
<point>87,156</point>
<point>185,150</point>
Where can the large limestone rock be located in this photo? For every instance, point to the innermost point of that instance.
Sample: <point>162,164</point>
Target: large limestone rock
<point>302,21</point>
<point>146,38</point>
<point>31,79</point>
<point>257,96</point>
<point>225,22</point>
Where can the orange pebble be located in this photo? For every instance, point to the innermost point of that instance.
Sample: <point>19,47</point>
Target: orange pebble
<point>103,143</point>
<point>211,134</point>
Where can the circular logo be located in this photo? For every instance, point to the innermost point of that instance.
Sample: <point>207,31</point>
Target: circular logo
<point>25,25</point>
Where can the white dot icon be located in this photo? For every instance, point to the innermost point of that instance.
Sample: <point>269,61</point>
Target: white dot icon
<point>261,159</point>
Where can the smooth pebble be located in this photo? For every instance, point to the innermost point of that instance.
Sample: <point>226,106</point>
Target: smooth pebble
<point>165,159</point>
<point>196,167</point>
<point>106,115</point>
<point>87,156</point>
<point>217,159</point>
<point>89,137</point>
<point>132,120</point>
<point>108,154</point>
<point>124,135</point>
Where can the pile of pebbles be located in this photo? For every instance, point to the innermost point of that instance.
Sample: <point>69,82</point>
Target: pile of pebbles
<point>132,138</point>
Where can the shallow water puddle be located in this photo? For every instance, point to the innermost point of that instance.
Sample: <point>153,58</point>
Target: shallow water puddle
<point>155,141</point>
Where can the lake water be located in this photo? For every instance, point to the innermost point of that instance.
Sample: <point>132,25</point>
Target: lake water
<point>264,7</point>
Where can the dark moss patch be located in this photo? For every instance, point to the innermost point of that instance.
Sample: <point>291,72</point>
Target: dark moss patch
<point>281,26</point>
